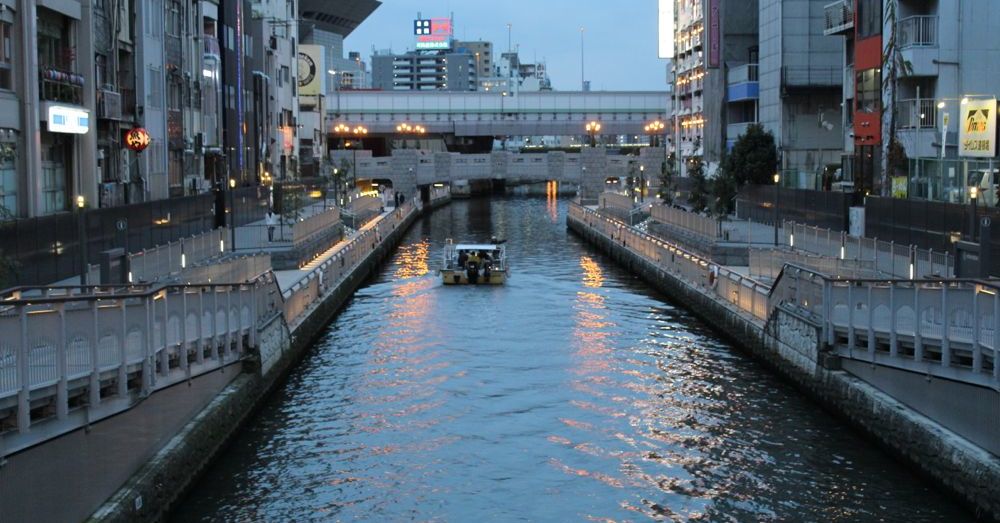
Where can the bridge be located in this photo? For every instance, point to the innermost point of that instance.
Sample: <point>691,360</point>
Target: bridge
<point>472,114</point>
<point>407,169</point>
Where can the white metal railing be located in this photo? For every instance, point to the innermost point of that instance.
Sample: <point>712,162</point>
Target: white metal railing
<point>918,114</point>
<point>314,285</point>
<point>165,260</point>
<point>307,227</point>
<point>744,294</point>
<point>612,200</point>
<point>767,264</point>
<point>888,258</point>
<point>919,30</point>
<point>938,327</point>
<point>234,270</point>
<point>107,343</point>
<point>705,226</point>
<point>839,16</point>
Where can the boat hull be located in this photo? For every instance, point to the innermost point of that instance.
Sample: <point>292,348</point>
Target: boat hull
<point>454,277</point>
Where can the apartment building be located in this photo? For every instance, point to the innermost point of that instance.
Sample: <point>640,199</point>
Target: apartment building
<point>425,71</point>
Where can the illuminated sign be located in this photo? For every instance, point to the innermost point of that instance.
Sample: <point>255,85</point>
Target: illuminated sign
<point>312,72</point>
<point>977,134</point>
<point>71,120</point>
<point>666,47</point>
<point>714,34</point>
<point>434,33</point>
<point>137,139</point>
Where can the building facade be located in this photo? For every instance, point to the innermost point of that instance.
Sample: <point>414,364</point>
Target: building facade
<point>425,71</point>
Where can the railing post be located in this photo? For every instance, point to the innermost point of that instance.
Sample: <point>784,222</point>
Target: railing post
<point>148,374</point>
<point>918,343</point>
<point>182,347</point>
<point>123,350</point>
<point>24,393</point>
<point>977,347</point>
<point>828,310</point>
<point>164,353</point>
<point>95,375</point>
<point>850,319</point>
<point>62,388</point>
<point>871,325</point>
<point>893,349</point>
<point>945,328</point>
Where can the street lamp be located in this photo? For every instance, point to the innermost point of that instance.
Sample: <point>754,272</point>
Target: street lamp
<point>359,132</point>
<point>777,214</point>
<point>80,204</point>
<point>405,128</point>
<point>592,128</point>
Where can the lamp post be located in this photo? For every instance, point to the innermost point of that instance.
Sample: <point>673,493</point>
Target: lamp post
<point>82,228</point>
<point>777,214</point>
<point>359,132</point>
<point>592,128</point>
<point>232,214</point>
<point>405,128</point>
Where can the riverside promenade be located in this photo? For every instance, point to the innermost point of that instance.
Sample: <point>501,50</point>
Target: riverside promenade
<point>124,392</point>
<point>910,361</point>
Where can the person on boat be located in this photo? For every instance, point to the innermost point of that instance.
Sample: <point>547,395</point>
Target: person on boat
<point>472,267</point>
<point>462,258</point>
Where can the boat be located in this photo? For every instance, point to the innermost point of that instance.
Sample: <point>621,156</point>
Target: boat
<point>474,263</point>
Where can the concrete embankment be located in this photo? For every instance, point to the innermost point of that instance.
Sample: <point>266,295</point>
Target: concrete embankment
<point>163,480</point>
<point>792,345</point>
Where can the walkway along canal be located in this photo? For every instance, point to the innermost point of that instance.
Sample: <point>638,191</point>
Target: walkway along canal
<point>574,392</point>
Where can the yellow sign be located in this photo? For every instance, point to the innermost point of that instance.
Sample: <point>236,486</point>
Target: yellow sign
<point>899,187</point>
<point>311,70</point>
<point>977,134</point>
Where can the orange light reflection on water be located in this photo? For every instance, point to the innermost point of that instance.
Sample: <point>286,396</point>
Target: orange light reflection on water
<point>552,200</point>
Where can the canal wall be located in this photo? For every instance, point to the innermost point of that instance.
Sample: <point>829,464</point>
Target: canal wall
<point>163,480</point>
<point>791,344</point>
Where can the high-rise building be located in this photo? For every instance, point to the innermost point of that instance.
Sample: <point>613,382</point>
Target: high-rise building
<point>939,58</point>
<point>423,71</point>
<point>482,51</point>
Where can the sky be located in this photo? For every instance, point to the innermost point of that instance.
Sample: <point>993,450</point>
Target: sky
<point>620,37</point>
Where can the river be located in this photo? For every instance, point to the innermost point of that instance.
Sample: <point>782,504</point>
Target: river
<point>572,393</point>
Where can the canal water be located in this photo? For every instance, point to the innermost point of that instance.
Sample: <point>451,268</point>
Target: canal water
<point>572,393</point>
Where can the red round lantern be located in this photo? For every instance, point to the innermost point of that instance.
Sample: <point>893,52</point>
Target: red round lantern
<point>137,139</point>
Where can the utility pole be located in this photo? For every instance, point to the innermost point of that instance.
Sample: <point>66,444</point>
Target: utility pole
<point>583,81</point>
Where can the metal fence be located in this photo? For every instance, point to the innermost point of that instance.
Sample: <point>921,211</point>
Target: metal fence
<point>767,264</point>
<point>233,270</point>
<point>704,226</point>
<point>821,208</point>
<point>887,258</point>
<point>104,344</point>
<point>920,30</point>
<point>314,285</point>
<point>929,326</point>
<point>150,265</point>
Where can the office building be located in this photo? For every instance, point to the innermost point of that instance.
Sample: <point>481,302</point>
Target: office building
<point>424,71</point>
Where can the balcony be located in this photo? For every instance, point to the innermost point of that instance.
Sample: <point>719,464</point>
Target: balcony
<point>808,76</point>
<point>917,114</point>
<point>742,83</point>
<point>917,38</point>
<point>839,18</point>
<point>60,86</point>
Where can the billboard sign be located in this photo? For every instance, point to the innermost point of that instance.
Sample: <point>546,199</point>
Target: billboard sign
<point>977,134</point>
<point>666,47</point>
<point>312,70</point>
<point>714,34</point>
<point>433,33</point>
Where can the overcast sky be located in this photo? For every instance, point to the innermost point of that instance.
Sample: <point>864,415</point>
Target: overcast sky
<point>619,37</point>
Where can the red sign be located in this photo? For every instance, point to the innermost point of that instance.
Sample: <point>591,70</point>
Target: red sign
<point>714,34</point>
<point>137,139</point>
<point>437,37</point>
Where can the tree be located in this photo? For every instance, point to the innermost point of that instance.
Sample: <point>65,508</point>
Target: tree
<point>893,64</point>
<point>754,157</point>
<point>666,192</point>
<point>725,186</point>
<point>699,189</point>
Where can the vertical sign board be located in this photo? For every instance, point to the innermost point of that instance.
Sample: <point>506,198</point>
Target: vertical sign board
<point>312,70</point>
<point>714,34</point>
<point>977,134</point>
<point>666,40</point>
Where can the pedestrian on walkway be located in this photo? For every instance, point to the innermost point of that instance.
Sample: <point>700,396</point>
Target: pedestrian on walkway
<point>271,220</point>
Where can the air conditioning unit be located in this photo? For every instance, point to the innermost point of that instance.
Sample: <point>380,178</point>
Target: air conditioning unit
<point>110,105</point>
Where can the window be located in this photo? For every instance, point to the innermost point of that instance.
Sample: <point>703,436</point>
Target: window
<point>869,18</point>
<point>869,90</point>
<point>154,88</point>
<point>174,19</point>
<point>6,55</point>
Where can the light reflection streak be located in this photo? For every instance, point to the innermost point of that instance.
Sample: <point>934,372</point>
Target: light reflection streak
<point>552,200</point>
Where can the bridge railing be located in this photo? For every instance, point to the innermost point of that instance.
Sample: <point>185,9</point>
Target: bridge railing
<point>301,296</point>
<point>768,264</point>
<point>101,345</point>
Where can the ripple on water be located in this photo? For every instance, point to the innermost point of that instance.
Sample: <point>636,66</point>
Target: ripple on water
<point>572,393</point>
